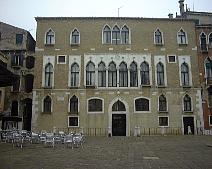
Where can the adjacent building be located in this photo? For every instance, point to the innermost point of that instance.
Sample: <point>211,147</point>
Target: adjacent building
<point>18,46</point>
<point>204,50</point>
<point>116,75</point>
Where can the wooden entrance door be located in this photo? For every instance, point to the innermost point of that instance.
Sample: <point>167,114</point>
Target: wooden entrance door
<point>119,124</point>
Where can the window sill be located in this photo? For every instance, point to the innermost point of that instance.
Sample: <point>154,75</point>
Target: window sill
<point>142,112</point>
<point>73,126</point>
<point>161,86</point>
<point>73,87</point>
<point>145,85</point>
<point>16,66</point>
<point>186,86</point>
<point>95,112</point>
<point>75,44</point>
<point>182,44</point>
<point>90,86</point>
<point>163,126</point>
<point>190,112</point>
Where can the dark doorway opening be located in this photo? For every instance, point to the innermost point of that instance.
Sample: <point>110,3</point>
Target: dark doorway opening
<point>188,123</point>
<point>119,124</point>
<point>27,114</point>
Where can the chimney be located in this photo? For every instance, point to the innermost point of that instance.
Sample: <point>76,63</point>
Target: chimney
<point>182,9</point>
<point>170,16</point>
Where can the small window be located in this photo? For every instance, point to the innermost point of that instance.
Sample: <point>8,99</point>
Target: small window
<point>47,103</point>
<point>163,121</point>
<point>95,105</point>
<point>73,121</point>
<point>61,59</point>
<point>19,39</point>
<point>30,62</point>
<point>210,120</point>
<point>172,59</point>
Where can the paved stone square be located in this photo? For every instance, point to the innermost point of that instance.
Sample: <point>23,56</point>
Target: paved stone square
<point>147,152</point>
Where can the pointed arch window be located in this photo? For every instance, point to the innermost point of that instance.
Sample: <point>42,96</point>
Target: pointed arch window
<point>74,104</point>
<point>145,73</point>
<point>102,75</point>
<point>112,75</point>
<point>50,37</point>
<point>158,37</point>
<point>125,35</point>
<point>47,103</point>
<point>210,40</point>
<point>116,35</point>
<point>160,74</point>
<point>118,106</point>
<point>90,74</point>
<point>162,103</point>
<point>107,35</point>
<point>133,75</point>
<point>187,103</point>
<point>182,37</point>
<point>203,42</point>
<point>48,75</point>
<point>75,75</point>
<point>75,37</point>
<point>123,75</point>
<point>141,104</point>
<point>185,74</point>
<point>208,67</point>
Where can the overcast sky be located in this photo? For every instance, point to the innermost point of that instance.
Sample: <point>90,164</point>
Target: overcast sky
<point>21,13</point>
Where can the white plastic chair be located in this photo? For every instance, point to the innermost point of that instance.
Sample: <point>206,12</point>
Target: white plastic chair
<point>68,140</point>
<point>49,139</point>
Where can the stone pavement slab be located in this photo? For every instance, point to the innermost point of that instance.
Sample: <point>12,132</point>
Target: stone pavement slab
<point>147,152</point>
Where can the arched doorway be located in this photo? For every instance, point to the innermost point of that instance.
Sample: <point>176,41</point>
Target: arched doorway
<point>27,114</point>
<point>118,117</point>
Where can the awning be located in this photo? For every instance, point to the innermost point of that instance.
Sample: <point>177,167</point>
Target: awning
<point>7,78</point>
